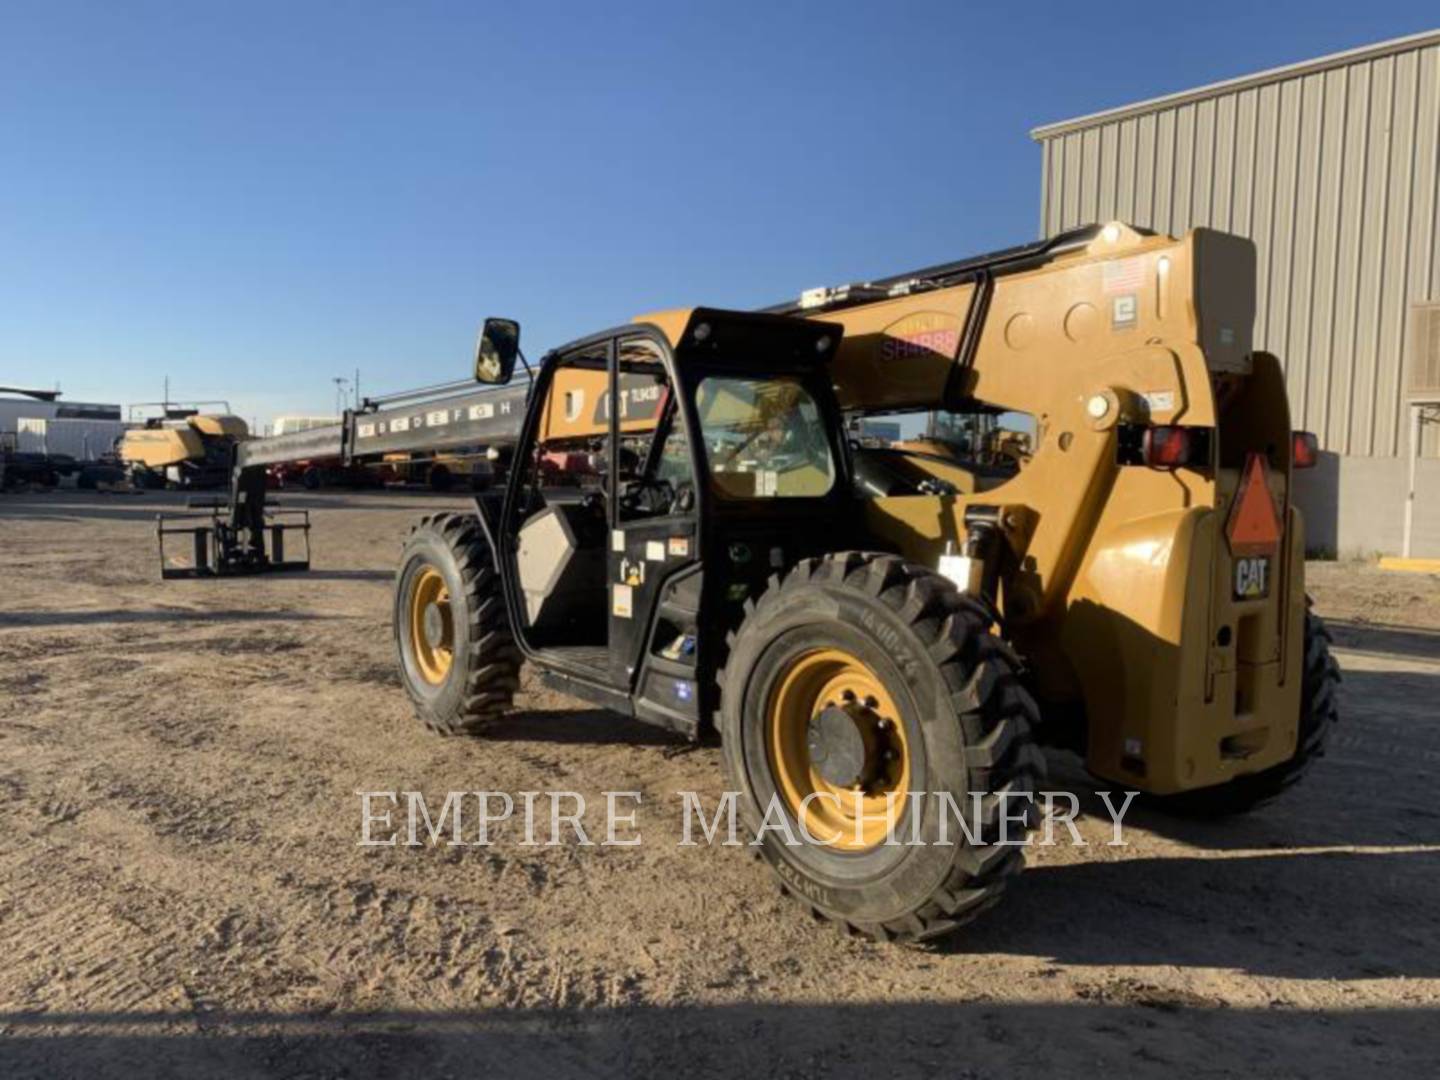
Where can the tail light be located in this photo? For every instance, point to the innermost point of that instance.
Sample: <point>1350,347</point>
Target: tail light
<point>1172,447</point>
<point>1304,450</point>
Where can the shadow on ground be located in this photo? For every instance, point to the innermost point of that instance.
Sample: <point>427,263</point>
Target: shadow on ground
<point>1124,1028</point>
<point>1381,638</point>
<point>79,506</point>
<point>585,727</point>
<point>1271,915</point>
<point>349,575</point>
<point>20,619</point>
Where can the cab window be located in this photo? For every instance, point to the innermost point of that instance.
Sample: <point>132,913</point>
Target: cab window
<point>764,438</point>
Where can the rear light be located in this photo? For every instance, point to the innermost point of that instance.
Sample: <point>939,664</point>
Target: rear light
<point>1304,450</point>
<point>1171,447</point>
<point>1168,446</point>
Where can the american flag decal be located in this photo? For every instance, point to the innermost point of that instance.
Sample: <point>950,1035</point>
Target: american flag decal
<point>1124,275</point>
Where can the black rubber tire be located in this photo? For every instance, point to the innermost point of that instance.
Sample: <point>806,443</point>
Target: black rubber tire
<point>485,670</point>
<point>441,479</point>
<point>966,715</point>
<point>1318,714</point>
<point>312,479</point>
<point>147,479</point>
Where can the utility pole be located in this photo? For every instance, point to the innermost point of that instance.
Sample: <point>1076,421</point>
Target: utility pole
<point>340,383</point>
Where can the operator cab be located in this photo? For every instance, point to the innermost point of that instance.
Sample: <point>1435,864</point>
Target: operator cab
<point>656,485</point>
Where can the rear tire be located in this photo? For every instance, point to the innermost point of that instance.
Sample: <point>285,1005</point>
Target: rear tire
<point>963,726</point>
<point>1318,714</point>
<point>457,659</point>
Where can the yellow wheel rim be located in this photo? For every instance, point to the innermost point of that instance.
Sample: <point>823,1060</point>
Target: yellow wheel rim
<point>432,631</point>
<point>838,750</point>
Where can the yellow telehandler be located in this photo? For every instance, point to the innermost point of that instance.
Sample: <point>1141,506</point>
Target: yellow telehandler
<point>881,636</point>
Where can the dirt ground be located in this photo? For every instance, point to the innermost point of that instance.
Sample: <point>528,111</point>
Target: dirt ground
<point>182,893</point>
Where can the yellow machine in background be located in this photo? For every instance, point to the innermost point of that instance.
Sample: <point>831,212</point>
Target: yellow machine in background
<point>191,451</point>
<point>444,471</point>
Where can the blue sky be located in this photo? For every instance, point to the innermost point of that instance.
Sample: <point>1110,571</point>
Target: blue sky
<point>254,197</point>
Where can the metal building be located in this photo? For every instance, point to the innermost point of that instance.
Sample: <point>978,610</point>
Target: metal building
<point>1332,167</point>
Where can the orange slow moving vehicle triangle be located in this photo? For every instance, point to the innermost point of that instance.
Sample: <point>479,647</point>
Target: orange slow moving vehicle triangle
<point>1254,527</point>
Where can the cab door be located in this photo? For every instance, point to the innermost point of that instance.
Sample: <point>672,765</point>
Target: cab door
<point>654,556</point>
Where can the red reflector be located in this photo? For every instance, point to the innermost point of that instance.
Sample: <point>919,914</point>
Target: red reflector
<point>1169,447</point>
<point>1305,450</point>
<point>1254,527</point>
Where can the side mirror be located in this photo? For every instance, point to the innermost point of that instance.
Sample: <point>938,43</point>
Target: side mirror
<point>496,351</point>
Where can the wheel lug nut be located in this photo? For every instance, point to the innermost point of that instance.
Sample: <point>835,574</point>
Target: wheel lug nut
<point>848,695</point>
<point>871,701</point>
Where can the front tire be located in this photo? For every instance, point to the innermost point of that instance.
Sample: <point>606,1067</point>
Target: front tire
<point>457,658</point>
<point>863,673</point>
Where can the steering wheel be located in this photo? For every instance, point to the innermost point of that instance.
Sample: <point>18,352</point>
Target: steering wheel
<point>684,500</point>
<point>647,496</point>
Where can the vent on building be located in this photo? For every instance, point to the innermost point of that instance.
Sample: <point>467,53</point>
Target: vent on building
<point>1424,382</point>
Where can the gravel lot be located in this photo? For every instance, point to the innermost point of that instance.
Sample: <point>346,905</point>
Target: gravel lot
<point>182,893</point>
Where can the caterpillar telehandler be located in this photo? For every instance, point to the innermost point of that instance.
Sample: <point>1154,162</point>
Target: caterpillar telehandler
<point>881,636</point>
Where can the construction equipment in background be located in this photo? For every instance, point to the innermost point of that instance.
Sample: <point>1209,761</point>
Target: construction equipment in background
<point>182,448</point>
<point>314,475</point>
<point>318,473</point>
<point>880,634</point>
<point>1007,447</point>
<point>467,469</point>
<point>461,469</point>
<point>249,536</point>
<point>23,470</point>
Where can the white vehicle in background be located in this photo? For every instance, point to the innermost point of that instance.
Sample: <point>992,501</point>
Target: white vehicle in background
<point>82,440</point>
<point>288,425</point>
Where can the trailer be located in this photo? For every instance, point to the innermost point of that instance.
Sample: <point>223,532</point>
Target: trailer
<point>84,440</point>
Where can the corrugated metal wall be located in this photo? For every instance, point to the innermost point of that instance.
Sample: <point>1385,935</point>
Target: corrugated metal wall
<point>1335,174</point>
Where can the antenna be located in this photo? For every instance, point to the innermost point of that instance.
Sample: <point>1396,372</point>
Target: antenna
<point>340,383</point>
